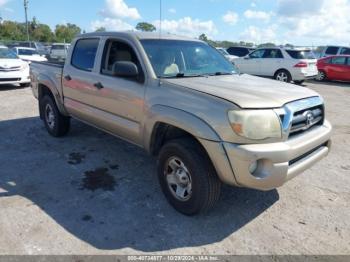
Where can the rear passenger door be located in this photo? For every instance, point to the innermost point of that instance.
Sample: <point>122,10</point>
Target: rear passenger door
<point>271,61</point>
<point>339,69</point>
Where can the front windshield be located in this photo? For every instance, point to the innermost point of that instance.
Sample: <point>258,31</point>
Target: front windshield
<point>27,52</point>
<point>6,53</point>
<point>176,58</point>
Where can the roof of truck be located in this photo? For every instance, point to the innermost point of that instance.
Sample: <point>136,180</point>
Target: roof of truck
<point>140,35</point>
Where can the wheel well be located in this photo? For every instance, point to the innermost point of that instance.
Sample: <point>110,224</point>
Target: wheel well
<point>43,91</point>
<point>281,69</point>
<point>163,133</point>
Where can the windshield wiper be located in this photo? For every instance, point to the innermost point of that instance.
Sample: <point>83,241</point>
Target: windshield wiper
<point>181,75</point>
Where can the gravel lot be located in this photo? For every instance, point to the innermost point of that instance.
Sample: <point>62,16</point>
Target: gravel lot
<point>49,202</point>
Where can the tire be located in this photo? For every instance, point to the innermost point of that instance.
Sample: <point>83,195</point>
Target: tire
<point>25,85</point>
<point>283,76</point>
<point>56,124</point>
<point>300,82</point>
<point>203,189</point>
<point>321,76</point>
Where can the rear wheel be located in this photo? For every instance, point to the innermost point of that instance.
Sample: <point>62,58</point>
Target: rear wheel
<point>56,124</point>
<point>283,76</point>
<point>321,76</point>
<point>187,177</point>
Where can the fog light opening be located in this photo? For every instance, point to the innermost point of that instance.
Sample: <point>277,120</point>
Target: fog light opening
<point>253,167</point>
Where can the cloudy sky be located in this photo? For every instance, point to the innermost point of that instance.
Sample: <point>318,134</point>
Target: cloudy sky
<point>300,22</point>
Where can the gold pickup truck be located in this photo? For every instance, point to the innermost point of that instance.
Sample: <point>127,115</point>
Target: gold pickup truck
<point>183,102</point>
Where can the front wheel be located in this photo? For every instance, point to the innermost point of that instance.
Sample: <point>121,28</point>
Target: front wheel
<point>283,76</point>
<point>187,177</point>
<point>56,124</point>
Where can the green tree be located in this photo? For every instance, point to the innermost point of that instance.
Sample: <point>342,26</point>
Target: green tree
<point>101,29</point>
<point>145,27</point>
<point>203,37</point>
<point>66,33</point>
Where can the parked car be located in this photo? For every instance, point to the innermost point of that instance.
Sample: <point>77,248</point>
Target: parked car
<point>224,52</point>
<point>335,50</point>
<point>240,51</point>
<point>29,54</point>
<point>334,68</point>
<point>59,51</point>
<point>39,47</point>
<point>13,70</point>
<point>181,100</point>
<point>282,64</point>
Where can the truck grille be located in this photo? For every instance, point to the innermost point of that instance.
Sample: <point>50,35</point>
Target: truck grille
<point>305,119</point>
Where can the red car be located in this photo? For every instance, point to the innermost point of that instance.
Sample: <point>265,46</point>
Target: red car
<point>334,68</point>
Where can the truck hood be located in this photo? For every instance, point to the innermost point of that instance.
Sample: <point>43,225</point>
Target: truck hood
<point>246,91</point>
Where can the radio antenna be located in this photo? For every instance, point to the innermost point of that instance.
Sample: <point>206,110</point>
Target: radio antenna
<point>160,18</point>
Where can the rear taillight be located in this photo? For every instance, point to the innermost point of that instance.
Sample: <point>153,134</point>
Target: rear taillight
<point>301,64</point>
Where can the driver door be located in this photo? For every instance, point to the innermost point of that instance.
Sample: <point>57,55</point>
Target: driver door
<point>251,64</point>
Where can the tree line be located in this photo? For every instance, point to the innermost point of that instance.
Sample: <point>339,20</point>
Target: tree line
<point>15,31</point>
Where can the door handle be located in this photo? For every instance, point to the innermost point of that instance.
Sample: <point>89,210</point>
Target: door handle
<point>98,85</point>
<point>68,77</point>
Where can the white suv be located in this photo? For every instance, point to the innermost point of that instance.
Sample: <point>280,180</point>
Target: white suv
<point>279,63</point>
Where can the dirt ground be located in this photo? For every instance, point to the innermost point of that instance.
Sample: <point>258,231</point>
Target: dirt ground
<point>90,193</point>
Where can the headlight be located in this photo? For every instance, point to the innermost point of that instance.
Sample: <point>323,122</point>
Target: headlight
<point>256,124</point>
<point>24,66</point>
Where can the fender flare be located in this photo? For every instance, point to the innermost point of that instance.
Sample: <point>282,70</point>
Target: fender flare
<point>45,81</point>
<point>178,118</point>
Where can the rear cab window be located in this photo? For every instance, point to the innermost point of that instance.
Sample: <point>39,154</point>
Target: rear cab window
<point>84,54</point>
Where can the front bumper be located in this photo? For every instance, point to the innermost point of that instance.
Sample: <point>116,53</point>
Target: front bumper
<point>15,77</point>
<point>277,162</point>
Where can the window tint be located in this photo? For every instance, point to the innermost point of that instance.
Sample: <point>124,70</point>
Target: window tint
<point>116,51</point>
<point>348,61</point>
<point>332,50</point>
<point>238,51</point>
<point>301,54</point>
<point>273,53</point>
<point>345,51</point>
<point>84,54</point>
<point>257,54</point>
<point>338,60</point>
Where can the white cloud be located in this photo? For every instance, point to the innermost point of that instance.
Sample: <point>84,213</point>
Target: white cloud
<point>188,26</point>
<point>259,15</point>
<point>3,2</point>
<point>259,35</point>
<point>325,21</point>
<point>119,9</point>
<point>172,10</point>
<point>230,17</point>
<point>253,5</point>
<point>111,24</point>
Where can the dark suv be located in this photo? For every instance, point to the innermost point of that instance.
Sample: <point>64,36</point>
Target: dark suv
<point>240,51</point>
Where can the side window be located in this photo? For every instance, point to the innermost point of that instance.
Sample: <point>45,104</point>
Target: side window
<point>345,51</point>
<point>332,50</point>
<point>117,51</point>
<point>338,60</point>
<point>348,61</point>
<point>273,53</point>
<point>257,54</point>
<point>84,54</point>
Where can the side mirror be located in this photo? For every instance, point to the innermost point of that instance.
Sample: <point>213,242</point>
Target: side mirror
<point>125,69</point>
